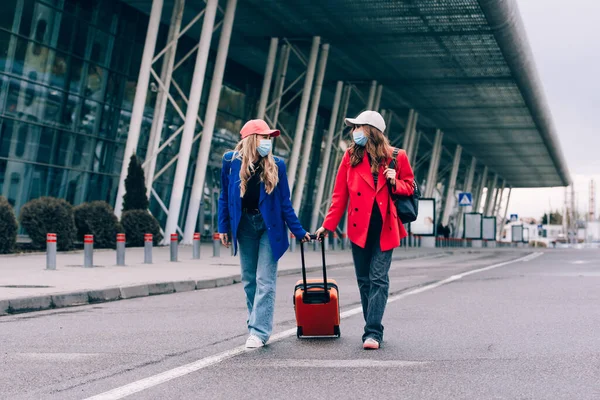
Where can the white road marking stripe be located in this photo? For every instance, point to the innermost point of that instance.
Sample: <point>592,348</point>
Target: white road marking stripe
<point>155,380</point>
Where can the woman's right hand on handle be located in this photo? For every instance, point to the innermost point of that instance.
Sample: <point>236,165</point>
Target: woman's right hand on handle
<point>224,239</point>
<point>320,233</point>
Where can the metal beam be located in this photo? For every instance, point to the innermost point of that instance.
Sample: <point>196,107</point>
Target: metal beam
<point>160,107</point>
<point>434,165</point>
<point>301,121</point>
<point>310,127</point>
<point>326,156</point>
<point>141,92</point>
<point>268,77</point>
<point>451,187</point>
<point>185,147</point>
<point>209,122</point>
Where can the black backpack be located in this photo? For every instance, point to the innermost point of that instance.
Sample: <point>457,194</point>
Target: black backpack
<point>406,206</point>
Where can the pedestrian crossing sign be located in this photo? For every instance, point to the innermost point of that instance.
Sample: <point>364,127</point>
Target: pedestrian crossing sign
<point>465,199</point>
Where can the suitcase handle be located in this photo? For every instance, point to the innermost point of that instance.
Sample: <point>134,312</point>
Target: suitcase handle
<point>326,291</point>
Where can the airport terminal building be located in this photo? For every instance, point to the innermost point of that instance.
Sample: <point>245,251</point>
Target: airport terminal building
<point>87,83</point>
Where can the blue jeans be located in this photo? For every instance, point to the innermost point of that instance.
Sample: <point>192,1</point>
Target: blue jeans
<point>372,273</point>
<point>259,274</point>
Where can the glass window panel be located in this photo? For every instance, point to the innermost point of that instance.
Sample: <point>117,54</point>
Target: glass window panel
<point>26,18</point>
<point>81,38</point>
<point>114,88</point>
<point>90,112</point>
<point>129,94</point>
<point>95,82</point>
<point>62,145</point>
<point>44,154</point>
<point>6,135</point>
<point>8,13</point>
<point>121,54</point>
<point>4,43</point>
<point>59,69</point>
<point>123,127</point>
<point>65,36</point>
<point>108,124</point>
<point>100,47</point>
<point>232,101</point>
<point>19,57</point>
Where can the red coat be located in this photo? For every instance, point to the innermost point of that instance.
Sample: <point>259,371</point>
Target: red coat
<point>357,185</point>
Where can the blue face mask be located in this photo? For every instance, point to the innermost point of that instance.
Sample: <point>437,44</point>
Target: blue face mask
<point>264,148</point>
<point>359,138</point>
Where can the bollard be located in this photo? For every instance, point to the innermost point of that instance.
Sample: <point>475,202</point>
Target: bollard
<point>292,242</point>
<point>88,251</point>
<point>343,241</point>
<point>335,241</point>
<point>196,249</point>
<point>325,243</point>
<point>174,243</point>
<point>147,248</point>
<point>216,245</point>
<point>51,251</point>
<point>120,249</point>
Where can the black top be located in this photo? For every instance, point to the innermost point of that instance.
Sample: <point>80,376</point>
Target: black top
<point>252,195</point>
<point>376,222</point>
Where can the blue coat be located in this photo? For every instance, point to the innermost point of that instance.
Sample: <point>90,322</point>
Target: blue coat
<point>276,208</point>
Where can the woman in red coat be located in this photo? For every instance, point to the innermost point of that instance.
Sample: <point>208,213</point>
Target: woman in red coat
<point>365,181</point>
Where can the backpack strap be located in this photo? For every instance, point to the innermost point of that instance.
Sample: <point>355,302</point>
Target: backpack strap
<point>394,157</point>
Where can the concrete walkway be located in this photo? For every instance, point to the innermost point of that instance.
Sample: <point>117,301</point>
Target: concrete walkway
<point>25,284</point>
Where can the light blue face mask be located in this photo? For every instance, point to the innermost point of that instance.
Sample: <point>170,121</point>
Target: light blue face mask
<point>359,138</point>
<point>264,148</point>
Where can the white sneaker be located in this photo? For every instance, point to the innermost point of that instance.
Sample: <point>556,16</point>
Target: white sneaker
<point>254,342</point>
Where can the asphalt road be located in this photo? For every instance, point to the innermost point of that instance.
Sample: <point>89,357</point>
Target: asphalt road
<point>518,330</point>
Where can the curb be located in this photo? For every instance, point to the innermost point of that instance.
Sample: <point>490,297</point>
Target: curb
<point>85,297</point>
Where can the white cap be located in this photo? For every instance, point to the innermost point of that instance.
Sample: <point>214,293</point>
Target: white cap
<point>372,118</point>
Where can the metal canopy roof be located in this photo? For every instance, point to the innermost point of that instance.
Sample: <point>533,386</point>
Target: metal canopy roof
<point>465,65</point>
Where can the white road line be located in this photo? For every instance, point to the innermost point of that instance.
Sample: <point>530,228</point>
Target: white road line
<point>155,380</point>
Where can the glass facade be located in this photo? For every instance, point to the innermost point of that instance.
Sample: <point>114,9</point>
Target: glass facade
<point>68,71</point>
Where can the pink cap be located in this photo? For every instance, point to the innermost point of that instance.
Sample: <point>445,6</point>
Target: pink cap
<point>257,127</point>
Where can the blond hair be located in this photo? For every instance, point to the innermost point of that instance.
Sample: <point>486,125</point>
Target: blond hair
<point>247,153</point>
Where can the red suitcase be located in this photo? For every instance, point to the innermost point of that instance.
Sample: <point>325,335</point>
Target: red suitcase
<point>317,309</point>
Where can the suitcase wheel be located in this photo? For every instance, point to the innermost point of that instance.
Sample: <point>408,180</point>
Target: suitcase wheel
<point>299,332</point>
<point>336,331</point>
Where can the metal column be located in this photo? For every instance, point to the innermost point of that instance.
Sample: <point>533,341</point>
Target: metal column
<point>408,129</point>
<point>490,195</point>
<point>209,123</point>
<point>377,101</point>
<point>264,94</point>
<point>284,58</point>
<point>189,128</point>
<point>467,188</point>
<point>372,92</point>
<point>498,199</point>
<point>301,122</point>
<point>451,187</point>
<point>436,154</point>
<point>477,199</point>
<point>139,101</point>
<point>162,97</point>
<point>410,150</point>
<point>501,224</point>
<point>310,127</point>
<point>326,156</point>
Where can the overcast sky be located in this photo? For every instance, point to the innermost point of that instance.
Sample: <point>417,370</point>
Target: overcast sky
<point>565,39</point>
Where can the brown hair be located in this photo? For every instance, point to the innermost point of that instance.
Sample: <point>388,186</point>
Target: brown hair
<point>378,148</point>
<point>247,153</point>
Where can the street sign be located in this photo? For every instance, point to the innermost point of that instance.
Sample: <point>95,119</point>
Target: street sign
<point>465,199</point>
<point>540,227</point>
<point>514,217</point>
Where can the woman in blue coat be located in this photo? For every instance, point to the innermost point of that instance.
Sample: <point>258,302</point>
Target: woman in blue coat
<point>255,207</point>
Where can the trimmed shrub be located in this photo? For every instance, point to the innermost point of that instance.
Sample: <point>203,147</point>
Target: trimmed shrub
<point>97,218</point>
<point>136,223</point>
<point>48,215</point>
<point>135,187</point>
<point>8,227</point>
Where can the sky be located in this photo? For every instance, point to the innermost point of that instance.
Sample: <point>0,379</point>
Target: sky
<point>565,40</point>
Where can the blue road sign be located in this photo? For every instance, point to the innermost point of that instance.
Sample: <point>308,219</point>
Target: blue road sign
<point>465,199</point>
<point>514,217</point>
